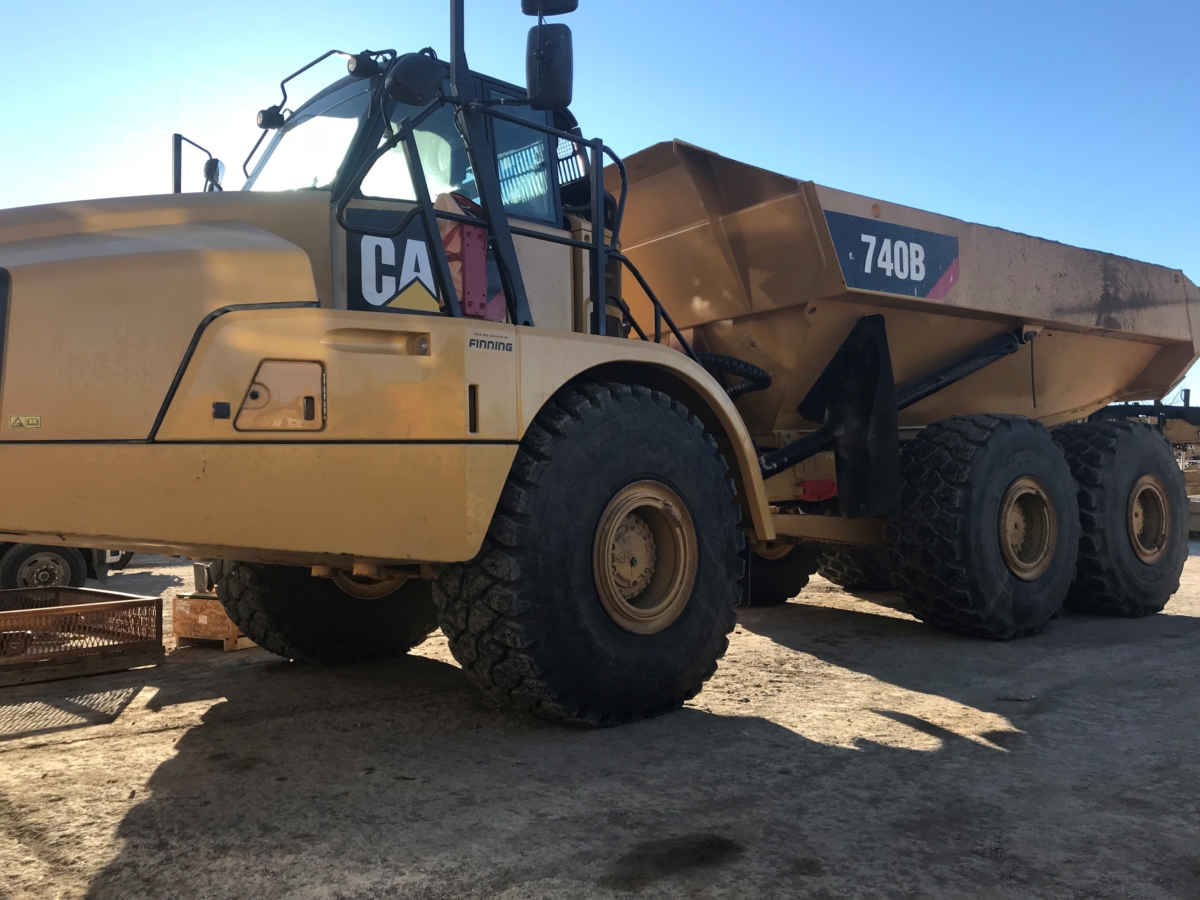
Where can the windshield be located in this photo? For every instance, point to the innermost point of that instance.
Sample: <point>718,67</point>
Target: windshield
<point>308,151</point>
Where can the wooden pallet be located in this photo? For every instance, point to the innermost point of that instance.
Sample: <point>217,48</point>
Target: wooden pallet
<point>201,617</point>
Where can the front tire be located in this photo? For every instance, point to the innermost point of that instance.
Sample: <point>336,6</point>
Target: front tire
<point>606,585</point>
<point>1133,509</point>
<point>988,531</point>
<point>287,611</point>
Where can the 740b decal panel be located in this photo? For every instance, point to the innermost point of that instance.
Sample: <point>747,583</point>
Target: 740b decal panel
<point>895,259</point>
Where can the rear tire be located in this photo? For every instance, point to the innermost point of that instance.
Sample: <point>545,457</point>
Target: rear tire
<point>287,611</point>
<point>988,531</point>
<point>533,619</point>
<point>36,565</point>
<point>1123,470</point>
<point>778,580</point>
<point>857,568</point>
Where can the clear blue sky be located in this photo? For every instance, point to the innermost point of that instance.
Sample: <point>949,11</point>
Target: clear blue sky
<point>1068,120</point>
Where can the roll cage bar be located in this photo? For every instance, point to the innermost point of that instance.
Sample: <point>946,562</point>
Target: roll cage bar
<point>471,113</point>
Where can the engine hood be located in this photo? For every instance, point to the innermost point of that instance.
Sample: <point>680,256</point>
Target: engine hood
<point>103,297</point>
<point>301,218</point>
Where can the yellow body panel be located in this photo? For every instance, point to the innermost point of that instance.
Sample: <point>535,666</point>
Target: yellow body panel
<point>306,502</point>
<point>98,322</point>
<point>118,313</point>
<point>125,373</point>
<point>744,258</point>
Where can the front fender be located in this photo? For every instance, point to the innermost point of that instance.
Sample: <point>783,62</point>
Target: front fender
<point>551,359</point>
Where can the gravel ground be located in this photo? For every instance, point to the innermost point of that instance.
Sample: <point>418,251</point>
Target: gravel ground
<point>842,750</point>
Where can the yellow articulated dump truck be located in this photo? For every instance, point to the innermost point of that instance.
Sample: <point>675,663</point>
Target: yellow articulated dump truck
<point>445,361</point>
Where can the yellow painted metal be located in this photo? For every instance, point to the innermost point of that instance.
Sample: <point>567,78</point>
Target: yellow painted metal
<point>644,557</point>
<point>308,502</point>
<point>866,532</point>
<point>99,321</point>
<point>1028,530</point>
<point>285,395</point>
<point>300,218</point>
<point>423,413</point>
<point>106,299</point>
<point>1148,519</point>
<point>744,259</point>
<point>1177,431</point>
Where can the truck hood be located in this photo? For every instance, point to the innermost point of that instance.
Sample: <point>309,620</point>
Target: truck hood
<point>301,218</point>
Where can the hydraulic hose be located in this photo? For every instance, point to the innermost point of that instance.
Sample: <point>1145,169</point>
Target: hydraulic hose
<point>752,377</point>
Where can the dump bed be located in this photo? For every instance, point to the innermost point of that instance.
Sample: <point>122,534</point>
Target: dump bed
<point>776,271</point>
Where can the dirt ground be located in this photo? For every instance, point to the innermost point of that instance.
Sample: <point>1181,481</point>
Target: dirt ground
<point>842,750</point>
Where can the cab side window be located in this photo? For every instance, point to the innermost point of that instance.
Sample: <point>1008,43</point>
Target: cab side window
<point>523,160</point>
<point>443,159</point>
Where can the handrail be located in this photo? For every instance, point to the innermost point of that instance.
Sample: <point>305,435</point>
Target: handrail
<point>660,312</point>
<point>195,342</point>
<point>600,250</point>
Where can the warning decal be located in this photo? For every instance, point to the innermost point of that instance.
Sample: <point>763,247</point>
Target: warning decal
<point>24,421</point>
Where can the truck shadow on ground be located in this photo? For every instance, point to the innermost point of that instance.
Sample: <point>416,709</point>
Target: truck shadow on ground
<point>1103,655</point>
<point>392,779</point>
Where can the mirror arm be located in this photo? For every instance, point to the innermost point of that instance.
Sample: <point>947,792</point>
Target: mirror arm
<point>303,69</point>
<point>253,150</point>
<point>283,91</point>
<point>177,142</point>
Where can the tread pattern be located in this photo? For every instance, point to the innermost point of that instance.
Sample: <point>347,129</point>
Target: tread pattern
<point>931,532</point>
<point>241,587</point>
<point>775,581</point>
<point>1091,448</point>
<point>480,602</point>
<point>242,604</point>
<point>853,569</point>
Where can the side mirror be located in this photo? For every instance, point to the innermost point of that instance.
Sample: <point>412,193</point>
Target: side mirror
<point>549,65</point>
<point>414,79</point>
<point>548,7</point>
<point>214,172</point>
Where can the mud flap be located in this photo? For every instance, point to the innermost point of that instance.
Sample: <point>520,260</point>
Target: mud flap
<point>855,398</point>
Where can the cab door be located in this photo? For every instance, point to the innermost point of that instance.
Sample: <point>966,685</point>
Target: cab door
<point>393,282</point>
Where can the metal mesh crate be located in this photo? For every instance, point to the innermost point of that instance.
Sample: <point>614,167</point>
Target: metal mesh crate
<point>60,632</point>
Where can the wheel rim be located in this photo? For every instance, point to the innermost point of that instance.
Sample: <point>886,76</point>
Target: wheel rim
<point>1149,524</point>
<point>1028,529</point>
<point>44,569</point>
<point>362,588</point>
<point>644,557</point>
<point>773,551</point>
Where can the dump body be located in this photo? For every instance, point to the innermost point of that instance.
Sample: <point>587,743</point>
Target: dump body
<point>777,271</point>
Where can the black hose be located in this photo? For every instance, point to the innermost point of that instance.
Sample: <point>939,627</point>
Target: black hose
<point>753,378</point>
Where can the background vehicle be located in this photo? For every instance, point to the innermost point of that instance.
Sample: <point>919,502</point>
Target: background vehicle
<point>45,565</point>
<point>414,376</point>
